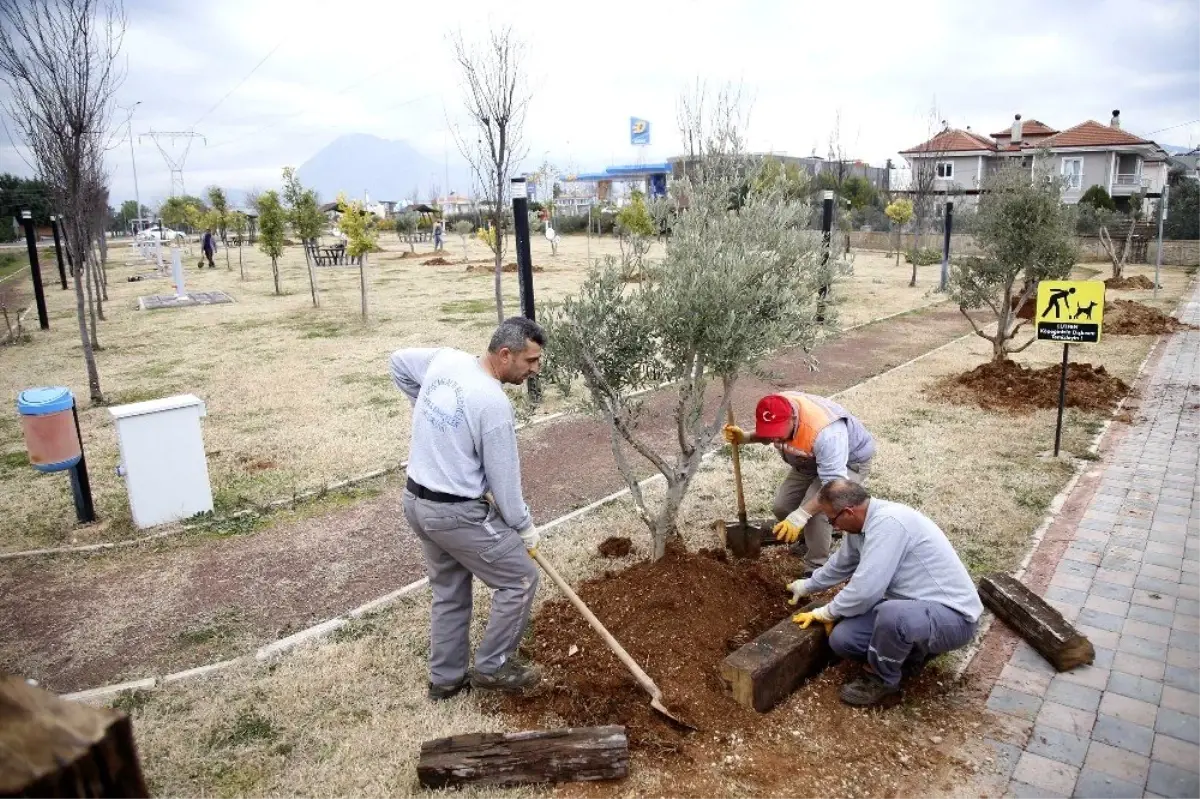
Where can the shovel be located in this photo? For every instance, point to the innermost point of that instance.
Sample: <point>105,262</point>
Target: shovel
<point>642,678</point>
<point>743,539</point>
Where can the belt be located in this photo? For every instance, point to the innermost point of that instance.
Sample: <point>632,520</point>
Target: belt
<point>421,492</point>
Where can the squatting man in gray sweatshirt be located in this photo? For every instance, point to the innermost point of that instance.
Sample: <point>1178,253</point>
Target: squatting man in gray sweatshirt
<point>464,446</point>
<point>909,597</point>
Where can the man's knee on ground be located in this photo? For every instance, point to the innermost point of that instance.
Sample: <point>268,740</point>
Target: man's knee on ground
<point>842,642</point>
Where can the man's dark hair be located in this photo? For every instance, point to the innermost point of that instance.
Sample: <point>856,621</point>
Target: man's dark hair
<point>514,332</point>
<point>840,494</point>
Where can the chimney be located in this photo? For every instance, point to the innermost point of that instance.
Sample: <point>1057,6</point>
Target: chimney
<point>1116,119</point>
<point>1016,129</point>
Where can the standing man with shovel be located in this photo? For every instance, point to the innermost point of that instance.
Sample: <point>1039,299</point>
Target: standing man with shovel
<point>464,445</point>
<point>821,441</point>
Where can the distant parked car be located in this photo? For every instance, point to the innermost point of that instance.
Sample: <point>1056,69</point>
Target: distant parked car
<point>162,234</point>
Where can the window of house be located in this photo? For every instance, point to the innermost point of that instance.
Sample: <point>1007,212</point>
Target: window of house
<point>945,170</point>
<point>1072,169</point>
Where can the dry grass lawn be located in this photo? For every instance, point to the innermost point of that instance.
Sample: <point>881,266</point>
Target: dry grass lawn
<point>297,397</point>
<point>346,717</point>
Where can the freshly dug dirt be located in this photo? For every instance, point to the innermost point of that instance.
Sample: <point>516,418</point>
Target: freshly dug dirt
<point>439,261</point>
<point>615,547</point>
<point>489,267</point>
<point>1009,386</point>
<point>410,254</point>
<point>1129,318</point>
<point>1135,283</point>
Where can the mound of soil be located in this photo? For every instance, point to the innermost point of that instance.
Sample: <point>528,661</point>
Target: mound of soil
<point>1137,282</point>
<point>489,267</point>
<point>678,618</point>
<point>1009,386</point>
<point>439,261</point>
<point>409,254</point>
<point>615,547</point>
<point>1129,318</point>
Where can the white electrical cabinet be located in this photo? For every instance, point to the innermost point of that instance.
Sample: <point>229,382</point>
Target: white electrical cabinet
<point>162,459</point>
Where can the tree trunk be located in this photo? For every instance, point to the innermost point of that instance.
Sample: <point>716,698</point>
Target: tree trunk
<point>362,281</point>
<point>86,270</point>
<point>102,239</point>
<point>241,266</point>
<point>312,276</point>
<point>275,274</point>
<point>228,265</point>
<point>89,355</point>
<point>95,273</point>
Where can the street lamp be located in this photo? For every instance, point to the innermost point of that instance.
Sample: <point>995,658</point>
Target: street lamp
<point>137,214</point>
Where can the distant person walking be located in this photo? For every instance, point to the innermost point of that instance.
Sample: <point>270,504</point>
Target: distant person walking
<point>208,245</point>
<point>437,236</point>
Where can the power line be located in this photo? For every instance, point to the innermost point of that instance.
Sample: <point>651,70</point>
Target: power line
<point>240,83</point>
<point>1172,127</point>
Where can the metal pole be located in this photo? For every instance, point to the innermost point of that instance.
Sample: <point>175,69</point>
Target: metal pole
<point>946,247</point>
<point>81,486</point>
<point>35,271</point>
<point>1062,400</point>
<point>1162,215</point>
<point>62,270</point>
<point>137,197</point>
<point>826,244</point>
<point>520,206</point>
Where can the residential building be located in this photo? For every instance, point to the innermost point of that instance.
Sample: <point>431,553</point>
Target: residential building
<point>456,204</point>
<point>1088,154</point>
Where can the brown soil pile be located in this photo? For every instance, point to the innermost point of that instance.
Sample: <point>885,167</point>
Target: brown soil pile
<point>489,267</point>
<point>1129,318</point>
<point>439,261</point>
<point>1009,386</point>
<point>615,547</point>
<point>410,254</point>
<point>1137,282</point>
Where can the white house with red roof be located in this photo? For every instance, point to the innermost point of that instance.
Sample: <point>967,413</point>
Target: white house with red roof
<point>1088,154</point>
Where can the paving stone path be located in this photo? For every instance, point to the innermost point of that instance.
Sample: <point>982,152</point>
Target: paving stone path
<point>1128,725</point>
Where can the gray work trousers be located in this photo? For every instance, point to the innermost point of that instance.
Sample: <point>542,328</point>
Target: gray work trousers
<point>801,485</point>
<point>897,630</point>
<point>462,540</point>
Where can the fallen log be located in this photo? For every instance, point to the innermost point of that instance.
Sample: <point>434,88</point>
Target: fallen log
<point>1036,621</point>
<point>578,754</point>
<point>767,670</point>
<point>54,747</point>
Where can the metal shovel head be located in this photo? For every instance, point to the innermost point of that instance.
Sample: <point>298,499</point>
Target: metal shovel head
<point>656,703</point>
<point>745,541</point>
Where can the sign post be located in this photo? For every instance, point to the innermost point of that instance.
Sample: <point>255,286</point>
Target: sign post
<point>1071,312</point>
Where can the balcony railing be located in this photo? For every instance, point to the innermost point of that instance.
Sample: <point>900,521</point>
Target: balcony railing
<point>1131,180</point>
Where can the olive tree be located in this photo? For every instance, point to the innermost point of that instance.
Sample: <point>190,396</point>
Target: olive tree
<point>1027,235</point>
<point>218,219</point>
<point>735,284</point>
<point>304,212</point>
<point>463,229</point>
<point>271,219</point>
<point>239,223</point>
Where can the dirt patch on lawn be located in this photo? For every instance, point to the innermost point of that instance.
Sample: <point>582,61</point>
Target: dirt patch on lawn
<point>1135,283</point>
<point>1009,386</point>
<point>615,547</point>
<point>439,261</point>
<point>679,618</point>
<point>490,267</point>
<point>1129,318</point>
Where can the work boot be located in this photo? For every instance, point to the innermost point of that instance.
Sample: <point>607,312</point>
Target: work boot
<point>915,665</point>
<point>868,691</point>
<point>440,693</point>
<point>512,676</point>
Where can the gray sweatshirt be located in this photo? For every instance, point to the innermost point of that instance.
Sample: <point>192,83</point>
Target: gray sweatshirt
<point>464,441</point>
<point>843,442</point>
<point>900,554</point>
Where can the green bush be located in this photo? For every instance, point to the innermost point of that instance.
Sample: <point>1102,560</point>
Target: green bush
<point>576,223</point>
<point>453,219</point>
<point>1098,197</point>
<point>923,257</point>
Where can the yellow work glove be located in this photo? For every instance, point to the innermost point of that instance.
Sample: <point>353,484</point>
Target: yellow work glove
<point>819,614</point>
<point>798,591</point>
<point>734,434</point>
<point>790,528</point>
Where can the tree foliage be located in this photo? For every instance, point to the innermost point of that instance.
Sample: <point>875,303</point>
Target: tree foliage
<point>1026,234</point>
<point>1183,211</point>
<point>1097,196</point>
<point>22,194</point>
<point>182,212</point>
<point>361,238</point>
<point>733,287</point>
<point>271,221</point>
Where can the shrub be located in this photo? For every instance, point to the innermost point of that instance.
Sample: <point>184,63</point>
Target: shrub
<point>453,219</point>
<point>570,224</point>
<point>923,257</point>
<point>1097,197</point>
<point>386,225</point>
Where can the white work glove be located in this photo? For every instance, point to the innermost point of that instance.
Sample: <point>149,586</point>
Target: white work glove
<point>798,591</point>
<point>531,537</point>
<point>789,529</point>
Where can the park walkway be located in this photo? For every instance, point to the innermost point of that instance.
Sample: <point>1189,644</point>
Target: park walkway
<point>1126,726</point>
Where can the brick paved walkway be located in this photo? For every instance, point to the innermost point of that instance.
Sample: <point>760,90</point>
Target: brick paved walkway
<point>1128,725</point>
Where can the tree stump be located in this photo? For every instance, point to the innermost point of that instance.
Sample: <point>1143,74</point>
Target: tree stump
<point>1037,622</point>
<point>767,670</point>
<point>496,759</point>
<point>53,747</point>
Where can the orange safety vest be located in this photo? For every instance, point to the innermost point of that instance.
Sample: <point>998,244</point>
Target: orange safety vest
<point>811,419</point>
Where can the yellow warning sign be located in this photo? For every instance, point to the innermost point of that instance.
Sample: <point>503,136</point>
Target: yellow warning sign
<point>1070,311</point>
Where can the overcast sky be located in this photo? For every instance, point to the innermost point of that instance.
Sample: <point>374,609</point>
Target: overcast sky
<point>385,68</point>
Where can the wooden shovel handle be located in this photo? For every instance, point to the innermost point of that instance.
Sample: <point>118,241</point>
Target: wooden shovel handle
<point>642,677</point>
<point>737,474</point>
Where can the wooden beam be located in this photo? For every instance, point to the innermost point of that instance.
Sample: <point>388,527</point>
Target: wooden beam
<point>1037,622</point>
<point>767,670</point>
<point>495,759</point>
<point>54,747</point>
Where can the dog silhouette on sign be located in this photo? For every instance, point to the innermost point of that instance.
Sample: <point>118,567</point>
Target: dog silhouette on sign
<point>1085,310</point>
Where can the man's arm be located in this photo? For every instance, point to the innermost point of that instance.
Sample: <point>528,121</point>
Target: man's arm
<point>831,450</point>
<point>839,568</point>
<point>408,369</point>
<point>877,566</point>
<point>502,471</point>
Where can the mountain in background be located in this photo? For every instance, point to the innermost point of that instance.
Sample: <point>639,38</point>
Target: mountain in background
<point>386,170</point>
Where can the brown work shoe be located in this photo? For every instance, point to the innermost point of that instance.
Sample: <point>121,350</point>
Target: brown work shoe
<point>512,676</point>
<point>440,693</point>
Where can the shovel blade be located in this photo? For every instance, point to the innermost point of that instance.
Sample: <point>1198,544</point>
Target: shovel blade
<point>661,708</point>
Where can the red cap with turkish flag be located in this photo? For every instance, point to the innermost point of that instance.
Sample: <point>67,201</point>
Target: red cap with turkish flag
<point>773,417</point>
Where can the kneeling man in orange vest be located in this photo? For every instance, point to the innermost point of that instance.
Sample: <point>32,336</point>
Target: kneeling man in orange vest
<point>821,441</point>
